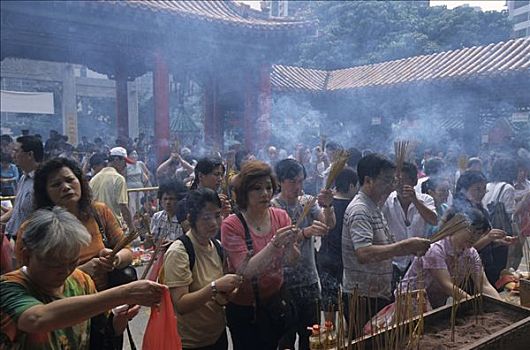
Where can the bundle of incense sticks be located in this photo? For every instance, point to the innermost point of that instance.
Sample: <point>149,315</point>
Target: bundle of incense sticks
<point>457,223</point>
<point>158,247</point>
<point>401,149</point>
<point>336,167</point>
<point>462,162</point>
<point>128,239</point>
<point>125,241</point>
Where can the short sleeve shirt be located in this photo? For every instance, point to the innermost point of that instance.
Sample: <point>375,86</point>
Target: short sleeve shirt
<point>304,272</point>
<point>17,294</point>
<point>162,225</point>
<point>442,256</point>
<point>110,187</point>
<point>395,216</point>
<point>203,326</point>
<point>234,244</point>
<point>364,225</point>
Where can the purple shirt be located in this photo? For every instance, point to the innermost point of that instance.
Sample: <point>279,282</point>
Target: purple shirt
<point>441,256</point>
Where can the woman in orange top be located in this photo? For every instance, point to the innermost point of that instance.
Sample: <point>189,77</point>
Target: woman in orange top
<point>60,182</point>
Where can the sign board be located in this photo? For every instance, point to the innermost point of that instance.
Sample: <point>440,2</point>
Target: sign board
<point>27,102</point>
<point>520,117</point>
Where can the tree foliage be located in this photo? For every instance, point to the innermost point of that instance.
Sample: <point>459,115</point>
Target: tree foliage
<point>354,33</point>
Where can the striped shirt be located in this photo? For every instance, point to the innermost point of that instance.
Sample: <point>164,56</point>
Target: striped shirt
<point>364,225</point>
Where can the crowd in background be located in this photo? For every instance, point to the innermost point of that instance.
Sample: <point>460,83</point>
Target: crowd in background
<point>235,244</point>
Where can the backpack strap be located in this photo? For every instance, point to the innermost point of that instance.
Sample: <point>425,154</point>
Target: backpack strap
<point>188,245</point>
<point>189,249</point>
<point>500,193</point>
<point>219,249</point>
<point>104,237</point>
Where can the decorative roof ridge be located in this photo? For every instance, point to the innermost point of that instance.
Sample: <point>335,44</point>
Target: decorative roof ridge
<point>477,61</point>
<point>225,12</point>
<point>428,55</point>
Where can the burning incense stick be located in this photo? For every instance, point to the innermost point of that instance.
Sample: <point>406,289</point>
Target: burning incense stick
<point>462,162</point>
<point>457,223</point>
<point>401,149</point>
<point>158,248</point>
<point>337,166</point>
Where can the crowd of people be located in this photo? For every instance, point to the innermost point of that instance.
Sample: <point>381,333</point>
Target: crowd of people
<point>251,241</point>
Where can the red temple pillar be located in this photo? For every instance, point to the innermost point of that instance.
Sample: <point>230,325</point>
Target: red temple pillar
<point>122,105</point>
<point>263,121</point>
<point>161,101</point>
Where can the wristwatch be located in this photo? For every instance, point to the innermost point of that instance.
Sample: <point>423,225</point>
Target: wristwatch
<point>214,289</point>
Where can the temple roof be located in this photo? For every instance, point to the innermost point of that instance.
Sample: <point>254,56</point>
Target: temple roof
<point>477,61</point>
<point>225,12</point>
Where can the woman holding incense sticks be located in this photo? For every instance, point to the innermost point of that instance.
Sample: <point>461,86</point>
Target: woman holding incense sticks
<point>60,182</point>
<point>199,289</point>
<point>209,173</point>
<point>451,263</point>
<point>301,278</point>
<point>256,242</point>
<point>50,304</point>
<point>470,190</point>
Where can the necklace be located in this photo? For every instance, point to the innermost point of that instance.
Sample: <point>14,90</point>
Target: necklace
<point>257,226</point>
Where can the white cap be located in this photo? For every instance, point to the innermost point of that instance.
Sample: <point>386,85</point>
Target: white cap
<point>121,152</point>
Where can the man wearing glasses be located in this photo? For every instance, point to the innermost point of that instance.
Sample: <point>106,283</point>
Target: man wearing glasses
<point>368,246</point>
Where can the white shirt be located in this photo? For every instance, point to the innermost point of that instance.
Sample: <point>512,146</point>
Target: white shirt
<point>507,196</point>
<point>395,216</point>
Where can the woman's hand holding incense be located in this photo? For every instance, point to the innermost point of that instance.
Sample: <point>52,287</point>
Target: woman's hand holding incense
<point>325,198</point>
<point>228,283</point>
<point>285,236</point>
<point>226,208</point>
<point>316,229</point>
<point>107,261</point>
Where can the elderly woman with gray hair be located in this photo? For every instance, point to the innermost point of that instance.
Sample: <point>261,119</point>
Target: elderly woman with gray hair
<point>48,303</point>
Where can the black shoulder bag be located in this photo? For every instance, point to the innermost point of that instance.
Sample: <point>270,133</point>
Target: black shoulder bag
<point>102,336</point>
<point>276,315</point>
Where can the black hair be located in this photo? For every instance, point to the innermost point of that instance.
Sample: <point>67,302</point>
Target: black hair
<point>239,157</point>
<point>411,171</point>
<point>504,170</point>
<point>354,157</point>
<point>31,143</point>
<point>288,169</point>
<point>205,166</point>
<point>332,146</point>
<point>6,157</point>
<point>97,159</point>
<point>6,138</point>
<point>197,200</point>
<point>477,218</point>
<point>175,187</point>
<point>468,179</point>
<point>372,165</point>
<point>346,177</point>
<point>40,196</point>
<point>433,166</point>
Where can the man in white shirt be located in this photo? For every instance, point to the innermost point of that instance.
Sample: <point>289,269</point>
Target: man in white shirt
<point>109,185</point>
<point>408,213</point>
